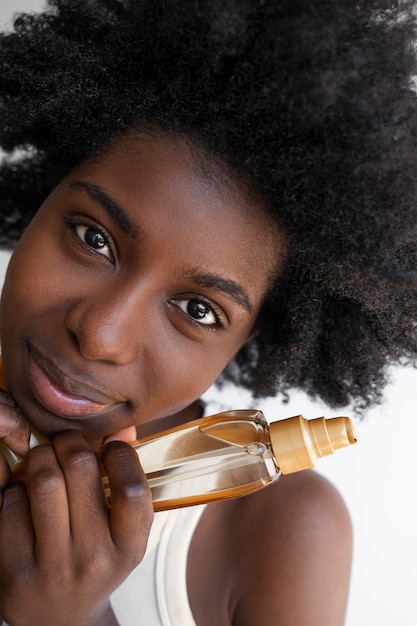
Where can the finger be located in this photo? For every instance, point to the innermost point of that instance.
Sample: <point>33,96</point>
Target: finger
<point>48,504</point>
<point>87,505</point>
<point>16,530</point>
<point>131,503</point>
<point>14,428</point>
<point>5,473</point>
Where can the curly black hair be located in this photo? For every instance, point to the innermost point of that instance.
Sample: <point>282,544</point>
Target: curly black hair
<point>311,101</point>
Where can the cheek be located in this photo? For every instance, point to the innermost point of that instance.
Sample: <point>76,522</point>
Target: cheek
<point>186,371</point>
<point>34,284</point>
<point>24,288</point>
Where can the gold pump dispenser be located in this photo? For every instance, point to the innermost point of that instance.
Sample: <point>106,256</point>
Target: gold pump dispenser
<point>298,443</point>
<point>226,455</point>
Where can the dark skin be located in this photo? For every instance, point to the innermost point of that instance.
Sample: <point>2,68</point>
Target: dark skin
<point>122,304</point>
<point>281,556</point>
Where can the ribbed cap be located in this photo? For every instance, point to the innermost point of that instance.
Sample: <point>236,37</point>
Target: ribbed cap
<point>298,443</point>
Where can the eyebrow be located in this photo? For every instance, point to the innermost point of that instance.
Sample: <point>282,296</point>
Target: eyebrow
<point>236,291</point>
<point>109,204</point>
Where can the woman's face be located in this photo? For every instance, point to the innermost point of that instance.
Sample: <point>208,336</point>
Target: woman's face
<point>138,280</point>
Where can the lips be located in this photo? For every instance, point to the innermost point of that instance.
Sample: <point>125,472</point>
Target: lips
<point>61,395</point>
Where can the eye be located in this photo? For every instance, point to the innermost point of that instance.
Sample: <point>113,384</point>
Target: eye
<point>94,239</point>
<point>199,311</point>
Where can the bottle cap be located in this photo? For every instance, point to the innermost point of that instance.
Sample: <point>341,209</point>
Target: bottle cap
<point>298,443</point>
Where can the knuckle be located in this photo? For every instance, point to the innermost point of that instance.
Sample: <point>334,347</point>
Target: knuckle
<point>74,454</point>
<point>43,475</point>
<point>134,492</point>
<point>130,555</point>
<point>13,426</point>
<point>135,556</point>
<point>6,399</point>
<point>10,414</point>
<point>93,564</point>
<point>13,494</point>
<point>79,460</point>
<point>44,481</point>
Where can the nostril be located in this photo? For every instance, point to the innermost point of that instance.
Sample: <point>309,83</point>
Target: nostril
<point>74,339</point>
<point>100,337</point>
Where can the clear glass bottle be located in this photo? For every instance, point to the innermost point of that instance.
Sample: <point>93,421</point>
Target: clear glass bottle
<point>229,454</point>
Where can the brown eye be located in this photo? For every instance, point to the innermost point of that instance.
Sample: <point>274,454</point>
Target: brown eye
<point>198,311</point>
<point>94,239</point>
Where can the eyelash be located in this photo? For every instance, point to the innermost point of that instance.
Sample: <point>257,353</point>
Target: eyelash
<point>216,326</point>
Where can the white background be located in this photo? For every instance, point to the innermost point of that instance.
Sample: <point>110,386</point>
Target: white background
<point>376,478</point>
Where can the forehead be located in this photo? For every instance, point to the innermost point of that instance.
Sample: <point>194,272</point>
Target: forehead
<point>171,186</point>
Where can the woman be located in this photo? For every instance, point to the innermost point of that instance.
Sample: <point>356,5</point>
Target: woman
<point>226,193</point>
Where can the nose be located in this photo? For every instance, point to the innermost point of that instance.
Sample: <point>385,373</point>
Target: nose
<point>106,325</point>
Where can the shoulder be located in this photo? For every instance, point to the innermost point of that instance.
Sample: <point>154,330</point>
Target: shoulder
<point>301,522</point>
<point>285,552</point>
<point>304,504</point>
<point>302,552</point>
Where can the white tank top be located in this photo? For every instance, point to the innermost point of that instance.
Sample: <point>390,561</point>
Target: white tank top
<point>155,593</point>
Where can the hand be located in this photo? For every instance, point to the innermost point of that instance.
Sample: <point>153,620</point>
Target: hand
<point>62,551</point>
<point>14,432</point>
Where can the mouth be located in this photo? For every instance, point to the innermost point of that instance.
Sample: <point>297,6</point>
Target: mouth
<point>62,395</point>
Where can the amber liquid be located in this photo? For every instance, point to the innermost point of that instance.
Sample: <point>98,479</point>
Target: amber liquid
<point>215,458</point>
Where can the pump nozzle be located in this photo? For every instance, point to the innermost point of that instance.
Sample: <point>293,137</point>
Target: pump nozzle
<point>298,443</point>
